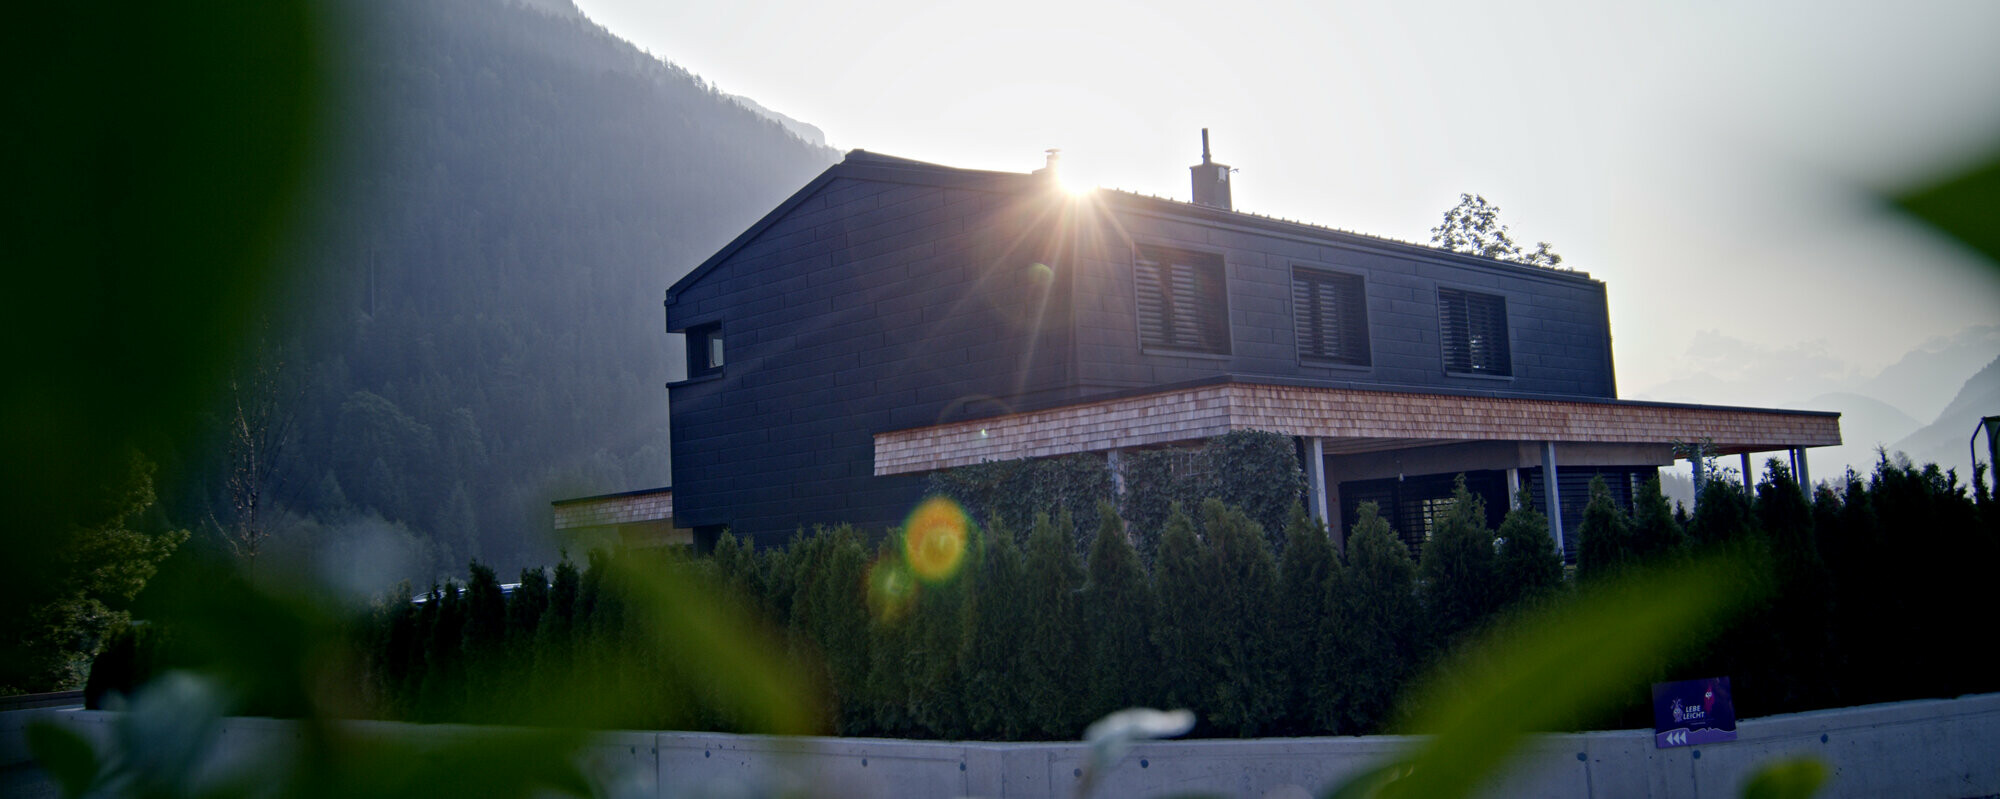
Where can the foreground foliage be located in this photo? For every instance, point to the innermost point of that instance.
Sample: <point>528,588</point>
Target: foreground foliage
<point>1025,640</point>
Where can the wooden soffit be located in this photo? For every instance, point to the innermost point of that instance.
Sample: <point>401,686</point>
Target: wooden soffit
<point>1351,420</point>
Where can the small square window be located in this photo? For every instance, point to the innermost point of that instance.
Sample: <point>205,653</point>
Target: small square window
<point>1475,333</point>
<point>704,349</point>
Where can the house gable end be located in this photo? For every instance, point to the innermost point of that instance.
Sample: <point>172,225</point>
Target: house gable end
<point>861,166</point>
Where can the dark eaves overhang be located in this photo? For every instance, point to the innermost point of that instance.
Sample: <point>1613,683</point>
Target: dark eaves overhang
<point>1353,419</point>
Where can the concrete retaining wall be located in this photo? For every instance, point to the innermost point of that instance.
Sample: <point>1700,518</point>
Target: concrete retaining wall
<point>1933,748</point>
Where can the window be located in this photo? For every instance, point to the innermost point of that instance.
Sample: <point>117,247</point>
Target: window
<point>704,349</point>
<point>1183,302</point>
<point>1330,313</point>
<point>1475,333</point>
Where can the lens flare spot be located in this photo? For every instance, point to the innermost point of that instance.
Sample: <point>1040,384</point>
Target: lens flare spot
<point>891,589</point>
<point>1041,274</point>
<point>934,539</point>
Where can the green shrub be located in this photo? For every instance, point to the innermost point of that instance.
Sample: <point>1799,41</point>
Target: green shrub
<point>1256,472</point>
<point>1457,568</point>
<point>996,623</point>
<point>1183,583</point>
<point>1052,657</point>
<point>1118,612</point>
<point>1242,601</point>
<point>1370,651</point>
<point>1604,538</point>
<point>1526,562</point>
<point>1655,532</point>
<point>1016,490</point>
<point>1304,571</point>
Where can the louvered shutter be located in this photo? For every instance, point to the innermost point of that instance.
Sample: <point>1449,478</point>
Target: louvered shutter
<point>1475,332</point>
<point>1182,301</point>
<point>1330,314</point>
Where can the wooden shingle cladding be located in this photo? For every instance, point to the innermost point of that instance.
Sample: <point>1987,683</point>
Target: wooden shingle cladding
<point>1354,420</point>
<point>635,519</point>
<point>613,509</point>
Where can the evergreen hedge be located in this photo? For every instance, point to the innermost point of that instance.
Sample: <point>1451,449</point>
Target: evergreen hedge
<point>1872,580</point>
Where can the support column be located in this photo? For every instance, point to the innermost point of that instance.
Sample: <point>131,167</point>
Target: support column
<point>1513,488</point>
<point>1700,468</point>
<point>1805,476</point>
<point>1749,482</point>
<point>1115,461</point>
<point>1316,478</point>
<point>1552,495</point>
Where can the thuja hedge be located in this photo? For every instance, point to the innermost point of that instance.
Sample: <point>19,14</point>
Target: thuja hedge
<point>1875,593</point>
<point>1255,471</point>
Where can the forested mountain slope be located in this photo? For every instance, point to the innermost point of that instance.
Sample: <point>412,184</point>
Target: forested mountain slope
<point>474,327</point>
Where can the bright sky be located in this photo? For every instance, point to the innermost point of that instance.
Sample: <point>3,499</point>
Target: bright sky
<point>1712,162</point>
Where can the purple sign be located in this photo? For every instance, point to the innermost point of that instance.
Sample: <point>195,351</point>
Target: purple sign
<point>1693,712</point>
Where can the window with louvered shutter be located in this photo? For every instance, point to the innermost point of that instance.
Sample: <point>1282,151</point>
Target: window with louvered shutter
<point>1475,333</point>
<point>1183,303</point>
<point>1330,313</point>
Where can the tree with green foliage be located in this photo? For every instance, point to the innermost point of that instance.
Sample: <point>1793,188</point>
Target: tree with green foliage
<point>1722,514</point>
<point>734,566</point>
<point>1526,564</point>
<point>1604,537</point>
<point>892,592</point>
<point>830,618</point>
<point>1303,573</point>
<point>1795,620</point>
<point>1019,489</point>
<point>99,568</point>
<point>1456,568</point>
<point>555,632</point>
<point>996,623</point>
<point>441,694</point>
<point>1183,583</point>
<point>1655,532</point>
<point>1374,620</point>
<point>1473,226</point>
<point>1256,472</point>
<point>1240,611</point>
<point>1118,613</point>
<point>1052,653</point>
<point>936,652</point>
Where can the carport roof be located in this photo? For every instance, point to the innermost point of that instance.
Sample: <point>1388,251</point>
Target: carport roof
<point>1347,420</point>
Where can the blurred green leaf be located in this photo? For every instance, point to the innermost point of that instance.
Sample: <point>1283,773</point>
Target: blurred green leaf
<point>65,755</point>
<point>1963,206</point>
<point>1366,783</point>
<point>721,644</point>
<point>170,145</point>
<point>1798,778</point>
<point>1550,670</point>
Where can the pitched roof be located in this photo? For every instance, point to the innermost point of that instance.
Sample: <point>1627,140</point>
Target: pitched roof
<point>864,165</point>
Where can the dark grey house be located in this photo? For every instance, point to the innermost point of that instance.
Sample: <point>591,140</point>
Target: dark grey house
<point>895,317</point>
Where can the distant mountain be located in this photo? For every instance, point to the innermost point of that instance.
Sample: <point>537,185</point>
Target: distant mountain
<point>811,134</point>
<point>1921,382</point>
<point>475,328</point>
<point>1865,424</point>
<point>1945,440</point>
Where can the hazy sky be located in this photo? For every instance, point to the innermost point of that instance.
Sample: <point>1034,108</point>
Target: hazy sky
<point>1715,164</point>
